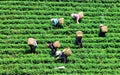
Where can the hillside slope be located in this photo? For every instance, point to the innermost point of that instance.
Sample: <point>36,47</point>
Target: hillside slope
<point>20,20</point>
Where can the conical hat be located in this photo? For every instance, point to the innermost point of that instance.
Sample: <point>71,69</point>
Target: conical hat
<point>56,44</point>
<point>79,33</point>
<point>61,20</point>
<point>81,14</point>
<point>104,29</point>
<point>67,51</point>
<point>31,41</point>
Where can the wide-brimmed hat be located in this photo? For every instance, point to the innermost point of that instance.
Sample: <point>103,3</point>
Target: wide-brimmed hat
<point>56,44</point>
<point>81,14</point>
<point>79,33</point>
<point>61,20</point>
<point>67,51</point>
<point>31,41</point>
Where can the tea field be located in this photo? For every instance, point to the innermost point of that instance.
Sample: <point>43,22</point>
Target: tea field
<point>20,20</point>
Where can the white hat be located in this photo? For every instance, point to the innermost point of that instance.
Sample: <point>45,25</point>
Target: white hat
<point>58,53</point>
<point>72,15</point>
<point>101,25</point>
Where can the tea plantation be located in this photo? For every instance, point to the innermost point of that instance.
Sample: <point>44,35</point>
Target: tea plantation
<point>20,20</point>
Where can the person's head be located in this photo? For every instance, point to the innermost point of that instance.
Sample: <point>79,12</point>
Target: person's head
<point>61,18</point>
<point>81,14</point>
<point>31,41</point>
<point>101,25</point>
<point>72,14</point>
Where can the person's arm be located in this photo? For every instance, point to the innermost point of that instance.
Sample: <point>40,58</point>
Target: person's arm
<point>35,43</point>
<point>77,20</point>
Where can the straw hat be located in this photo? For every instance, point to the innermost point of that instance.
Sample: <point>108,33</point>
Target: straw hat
<point>31,41</point>
<point>81,14</point>
<point>56,44</point>
<point>79,33</point>
<point>67,51</point>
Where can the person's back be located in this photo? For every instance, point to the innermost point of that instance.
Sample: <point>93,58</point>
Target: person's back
<point>79,41</point>
<point>54,21</point>
<point>53,49</point>
<point>62,55</point>
<point>53,46</point>
<point>75,15</point>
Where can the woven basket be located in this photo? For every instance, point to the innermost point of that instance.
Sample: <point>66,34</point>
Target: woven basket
<point>56,44</point>
<point>104,29</point>
<point>61,20</point>
<point>79,33</point>
<point>31,41</point>
<point>67,51</point>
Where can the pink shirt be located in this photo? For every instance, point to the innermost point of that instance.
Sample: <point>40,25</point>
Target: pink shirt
<point>76,16</point>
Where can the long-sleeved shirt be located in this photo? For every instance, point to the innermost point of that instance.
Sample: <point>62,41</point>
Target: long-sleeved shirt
<point>62,57</point>
<point>78,40</point>
<point>53,49</point>
<point>35,43</point>
<point>55,21</point>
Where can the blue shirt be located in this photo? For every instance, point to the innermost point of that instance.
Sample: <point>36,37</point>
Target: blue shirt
<point>55,21</point>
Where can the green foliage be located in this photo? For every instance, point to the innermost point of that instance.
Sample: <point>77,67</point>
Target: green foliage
<point>20,20</point>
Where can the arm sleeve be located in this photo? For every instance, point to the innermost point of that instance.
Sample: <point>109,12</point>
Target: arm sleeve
<point>77,19</point>
<point>35,43</point>
<point>65,59</point>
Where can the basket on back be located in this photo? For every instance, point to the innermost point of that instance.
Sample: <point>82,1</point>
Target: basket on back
<point>56,44</point>
<point>81,14</point>
<point>31,41</point>
<point>61,20</point>
<point>103,28</point>
<point>67,51</point>
<point>79,33</point>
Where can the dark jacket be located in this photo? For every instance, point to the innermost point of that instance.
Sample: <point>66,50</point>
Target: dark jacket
<point>79,41</point>
<point>53,49</point>
<point>33,48</point>
<point>102,34</point>
<point>62,58</point>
